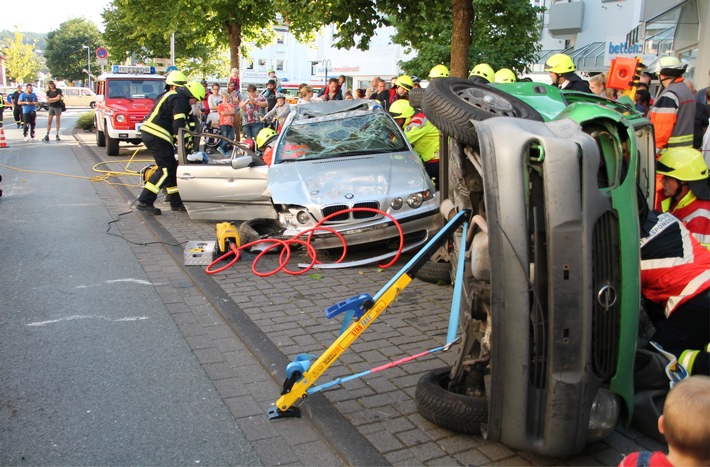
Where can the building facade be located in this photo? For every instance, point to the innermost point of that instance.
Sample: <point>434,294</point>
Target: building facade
<point>296,62</point>
<point>593,32</point>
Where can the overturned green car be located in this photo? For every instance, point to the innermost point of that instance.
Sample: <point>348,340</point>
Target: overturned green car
<point>550,289</point>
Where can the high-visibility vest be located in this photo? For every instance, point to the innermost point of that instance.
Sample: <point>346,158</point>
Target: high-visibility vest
<point>673,116</point>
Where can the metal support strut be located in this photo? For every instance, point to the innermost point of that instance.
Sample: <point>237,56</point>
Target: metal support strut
<point>362,310</point>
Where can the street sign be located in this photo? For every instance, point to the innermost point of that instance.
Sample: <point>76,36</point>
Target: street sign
<point>101,52</point>
<point>102,61</point>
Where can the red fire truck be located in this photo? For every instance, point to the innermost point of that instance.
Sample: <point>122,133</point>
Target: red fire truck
<point>125,96</point>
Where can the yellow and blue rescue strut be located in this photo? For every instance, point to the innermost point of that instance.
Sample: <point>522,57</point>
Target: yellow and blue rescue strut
<point>360,311</point>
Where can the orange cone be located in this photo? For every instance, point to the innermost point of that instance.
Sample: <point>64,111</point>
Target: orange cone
<point>3,143</point>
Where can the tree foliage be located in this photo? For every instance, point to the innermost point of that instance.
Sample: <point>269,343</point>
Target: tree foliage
<point>21,62</point>
<point>65,55</point>
<point>504,34</point>
<point>205,31</point>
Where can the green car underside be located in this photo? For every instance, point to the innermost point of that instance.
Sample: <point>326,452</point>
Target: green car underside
<point>614,125</point>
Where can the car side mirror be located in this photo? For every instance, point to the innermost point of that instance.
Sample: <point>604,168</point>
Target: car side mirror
<point>241,162</point>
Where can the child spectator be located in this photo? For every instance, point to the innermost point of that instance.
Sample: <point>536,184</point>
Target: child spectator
<point>685,425</point>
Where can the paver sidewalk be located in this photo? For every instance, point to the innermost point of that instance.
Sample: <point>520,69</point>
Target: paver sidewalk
<point>289,312</point>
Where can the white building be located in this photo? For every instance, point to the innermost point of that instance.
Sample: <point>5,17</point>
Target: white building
<point>296,62</point>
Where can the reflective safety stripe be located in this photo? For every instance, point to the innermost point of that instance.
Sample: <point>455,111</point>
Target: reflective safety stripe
<point>171,189</point>
<point>157,130</point>
<point>155,188</point>
<point>680,141</point>
<point>689,290</point>
<point>687,359</point>
<point>179,117</point>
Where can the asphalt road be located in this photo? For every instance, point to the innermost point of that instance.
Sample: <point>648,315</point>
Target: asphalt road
<point>93,369</point>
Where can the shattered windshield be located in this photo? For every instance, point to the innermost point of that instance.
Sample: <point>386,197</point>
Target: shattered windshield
<point>346,134</point>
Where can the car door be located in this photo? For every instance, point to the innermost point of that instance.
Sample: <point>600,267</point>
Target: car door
<point>212,189</point>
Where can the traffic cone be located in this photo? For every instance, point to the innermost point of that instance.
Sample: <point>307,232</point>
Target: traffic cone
<point>3,143</point>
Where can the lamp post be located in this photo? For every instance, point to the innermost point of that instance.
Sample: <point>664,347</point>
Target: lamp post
<point>88,62</point>
<point>326,64</point>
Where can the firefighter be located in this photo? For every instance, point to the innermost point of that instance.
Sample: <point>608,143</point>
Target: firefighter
<point>505,75</point>
<point>482,74</point>
<point>265,141</point>
<point>673,111</point>
<point>685,183</point>
<point>159,134</point>
<point>404,84</point>
<point>438,71</point>
<point>561,69</point>
<point>675,283</point>
<point>420,132</point>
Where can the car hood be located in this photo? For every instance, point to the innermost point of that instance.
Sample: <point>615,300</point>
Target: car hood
<point>127,105</point>
<point>347,179</point>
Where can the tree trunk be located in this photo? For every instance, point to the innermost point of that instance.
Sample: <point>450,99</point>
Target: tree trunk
<point>462,15</point>
<point>234,33</point>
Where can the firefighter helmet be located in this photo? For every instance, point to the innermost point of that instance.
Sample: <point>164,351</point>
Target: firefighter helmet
<point>670,66</point>
<point>196,90</point>
<point>264,137</point>
<point>401,108</point>
<point>685,164</point>
<point>439,71</point>
<point>560,64</point>
<point>405,82</point>
<point>176,78</point>
<point>505,75</point>
<point>483,70</point>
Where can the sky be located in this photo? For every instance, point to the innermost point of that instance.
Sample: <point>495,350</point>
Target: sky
<point>47,15</point>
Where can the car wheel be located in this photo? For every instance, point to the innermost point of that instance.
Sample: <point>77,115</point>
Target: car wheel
<point>92,105</point>
<point>111,146</point>
<point>435,272</point>
<point>257,229</point>
<point>416,97</point>
<point>100,137</point>
<point>450,104</point>
<point>455,412</point>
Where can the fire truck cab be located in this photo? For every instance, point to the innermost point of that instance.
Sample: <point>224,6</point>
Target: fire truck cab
<point>124,97</point>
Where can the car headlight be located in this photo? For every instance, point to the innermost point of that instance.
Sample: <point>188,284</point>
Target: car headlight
<point>415,200</point>
<point>303,217</point>
<point>603,416</point>
<point>397,203</point>
<point>120,118</point>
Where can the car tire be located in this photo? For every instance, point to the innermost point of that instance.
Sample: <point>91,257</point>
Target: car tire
<point>416,97</point>
<point>111,146</point>
<point>256,229</point>
<point>100,137</point>
<point>450,104</point>
<point>455,412</point>
<point>435,272</point>
<point>92,105</point>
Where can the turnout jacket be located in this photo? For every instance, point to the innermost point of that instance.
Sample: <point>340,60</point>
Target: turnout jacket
<point>674,266</point>
<point>673,116</point>
<point>423,136</point>
<point>695,213</point>
<point>168,115</point>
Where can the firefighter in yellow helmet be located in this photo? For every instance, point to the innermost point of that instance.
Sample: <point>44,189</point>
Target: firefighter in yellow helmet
<point>482,74</point>
<point>439,71</point>
<point>159,134</point>
<point>561,69</point>
<point>505,75</point>
<point>265,141</point>
<point>420,132</point>
<point>403,84</point>
<point>685,188</point>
